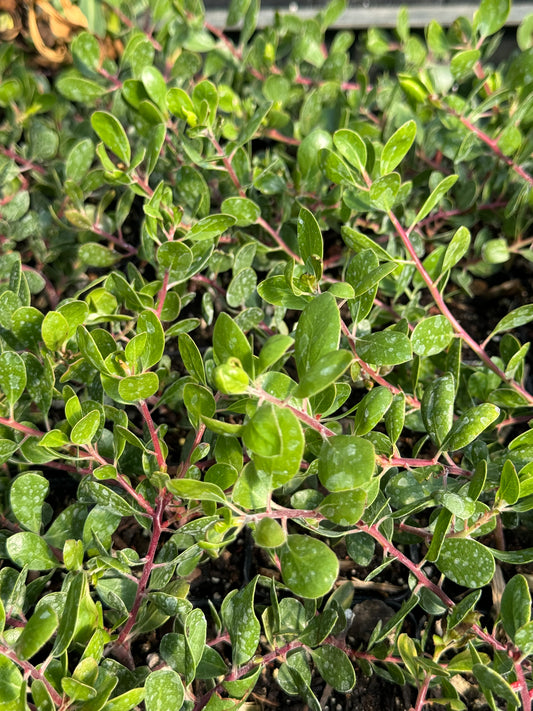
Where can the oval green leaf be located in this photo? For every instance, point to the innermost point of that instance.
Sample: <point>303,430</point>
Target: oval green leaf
<point>466,562</point>
<point>308,567</point>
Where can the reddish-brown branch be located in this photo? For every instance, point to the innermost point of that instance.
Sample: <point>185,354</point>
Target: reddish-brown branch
<point>153,435</point>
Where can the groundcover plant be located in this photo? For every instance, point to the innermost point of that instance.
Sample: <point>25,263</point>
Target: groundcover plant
<point>263,291</point>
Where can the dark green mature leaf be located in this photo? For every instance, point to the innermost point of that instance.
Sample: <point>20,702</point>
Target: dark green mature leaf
<point>470,425</point>
<point>371,409</point>
<point>345,462</point>
<point>192,489</point>
<point>334,667</point>
<point>432,335</point>
<point>384,190</point>
<point>492,682</point>
<point>461,610</point>
<point>244,210</point>
<point>514,319</point>
<point>12,376</point>
<point>112,133</point>
<point>308,567</point>
<point>437,407</point>
<point>29,549</point>
<point>515,605</point>
<point>466,562</point>
<point>37,631</point>
<point>384,348</point>
<point>310,241</point>
<point>243,626</point>
<point>27,496</point>
<point>230,342</point>
<point>323,373</point>
<point>491,16</point>
<point>434,198</point>
<point>352,147</point>
<point>397,147</point>
<point>317,332</point>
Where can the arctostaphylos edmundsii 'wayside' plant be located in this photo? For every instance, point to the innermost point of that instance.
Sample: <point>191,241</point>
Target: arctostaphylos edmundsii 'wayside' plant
<point>265,403</point>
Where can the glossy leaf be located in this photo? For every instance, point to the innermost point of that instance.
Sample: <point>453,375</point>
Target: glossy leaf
<point>191,357</point>
<point>85,429</point>
<point>397,147</point>
<point>138,387</point>
<point>112,133</point>
<point>435,197</point>
<point>317,332</point>
<point>371,409</point>
<point>310,241</point>
<point>269,534</point>
<point>12,376</point>
<point>334,667</point>
<point>509,489</point>
<point>466,562</point>
<point>192,489</point>
<point>163,691</point>
<point>384,190</point>
<point>27,496</point>
<point>308,567</point>
<point>29,549</point>
<point>437,407</point>
<point>463,607</point>
<point>491,16</point>
<point>245,211</point>
<point>150,324</point>
<point>36,633</point>
<point>211,227</point>
<point>230,342</point>
<point>514,319</point>
<point>492,682</point>
<point>323,372</point>
<point>54,330</point>
<point>384,348</point>
<point>242,624</point>
<point>345,462</point>
<point>345,507</point>
<point>470,425</point>
<point>284,463</point>
<point>352,147</point>
<point>67,624</point>
<point>431,335</point>
<point>515,605</point>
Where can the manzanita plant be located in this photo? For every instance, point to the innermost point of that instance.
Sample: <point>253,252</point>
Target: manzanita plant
<point>236,277</point>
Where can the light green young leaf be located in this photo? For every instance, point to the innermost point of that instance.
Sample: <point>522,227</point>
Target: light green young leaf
<point>317,332</point>
<point>193,489</point>
<point>384,190</point>
<point>491,16</point>
<point>36,633</point>
<point>515,605</point>
<point>245,211</point>
<point>138,387</point>
<point>85,429</point>
<point>514,319</point>
<point>323,372</point>
<point>352,147</point>
<point>384,348</point>
<point>457,248</point>
<point>54,330</point>
<point>243,626</point>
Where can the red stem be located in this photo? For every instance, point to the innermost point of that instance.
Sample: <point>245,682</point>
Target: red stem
<point>30,670</point>
<point>147,569</point>
<point>439,300</point>
<point>422,693</point>
<point>153,434</point>
<point>9,422</point>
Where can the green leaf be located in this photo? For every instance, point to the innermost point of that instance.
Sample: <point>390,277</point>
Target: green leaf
<point>434,198</point>
<point>29,549</point>
<point>85,429</point>
<point>457,248</point>
<point>317,332</point>
<point>163,691</point>
<point>10,683</point>
<point>193,489</point>
<point>437,407</point>
<point>230,342</point>
<point>308,567</point>
<point>245,211</point>
<point>352,147</point>
<point>515,605</point>
<point>262,433</point>
<point>514,319</point>
<point>12,376</point>
<point>236,11</point>
<point>138,387</point>
<point>89,349</point>
<point>384,348</point>
<point>335,667</point>
<point>27,495</point>
<point>344,507</point>
<point>371,409</point>
<point>431,335</point>
<point>73,86</point>
<point>310,241</point>
<point>96,255</point>
<point>397,147</point>
<point>79,160</point>
<point>175,256</point>
<point>323,372</point>
<point>230,378</point>
<point>191,357</point>
<point>509,490</point>
<point>469,426</point>
<point>273,350</point>
<point>491,16</point>
<point>269,534</point>
<point>243,626</point>
<point>461,610</point>
<point>54,330</point>
<point>284,464</point>
<point>491,682</point>
<point>126,701</point>
<point>37,631</point>
<point>384,190</point>
<point>345,462</point>
<point>111,132</point>
<point>210,227</point>
<point>69,617</point>
<point>85,50</point>
<point>155,85</point>
<point>149,323</point>
<point>462,64</point>
<point>524,638</point>
<point>241,287</point>
<point>466,562</point>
